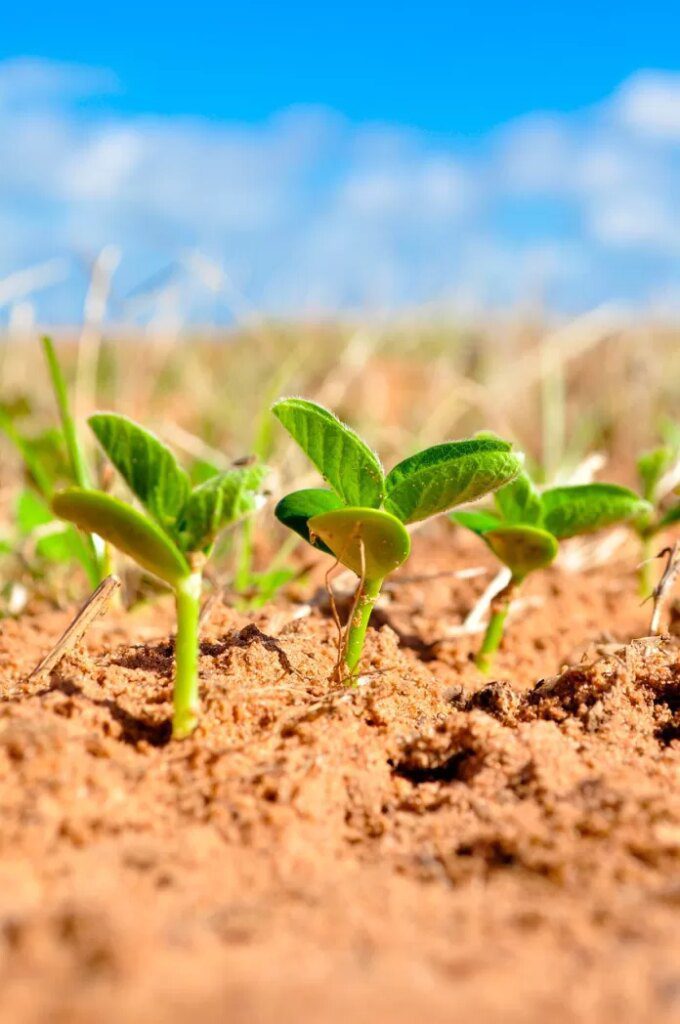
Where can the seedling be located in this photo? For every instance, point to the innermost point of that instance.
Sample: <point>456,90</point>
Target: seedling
<point>51,459</point>
<point>361,520</point>
<point>525,528</point>
<point>653,468</point>
<point>172,539</point>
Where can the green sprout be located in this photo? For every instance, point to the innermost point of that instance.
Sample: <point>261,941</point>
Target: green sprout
<point>51,459</point>
<point>652,467</point>
<point>174,537</point>
<point>525,528</point>
<point>361,520</point>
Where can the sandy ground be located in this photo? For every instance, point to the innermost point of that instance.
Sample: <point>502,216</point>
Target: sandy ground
<point>429,846</point>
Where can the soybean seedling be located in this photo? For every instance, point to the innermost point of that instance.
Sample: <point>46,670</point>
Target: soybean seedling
<point>172,539</point>
<point>525,528</point>
<point>361,519</point>
<point>653,468</point>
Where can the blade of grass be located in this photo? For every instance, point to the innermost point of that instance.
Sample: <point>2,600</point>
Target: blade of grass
<point>76,456</point>
<point>100,561</point>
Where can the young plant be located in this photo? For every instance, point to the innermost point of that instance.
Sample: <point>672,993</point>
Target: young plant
<point>653,467</point>
<point>361,520</point>
<point>172,539</point>
<point>51,459</point>
<point>525,528</point>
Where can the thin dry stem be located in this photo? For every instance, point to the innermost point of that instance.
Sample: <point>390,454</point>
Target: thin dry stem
<point>662,590</point>
<point>96,605</point>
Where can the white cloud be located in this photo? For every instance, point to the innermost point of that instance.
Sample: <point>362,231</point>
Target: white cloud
<point>307,211</point>
<point>649,103</point>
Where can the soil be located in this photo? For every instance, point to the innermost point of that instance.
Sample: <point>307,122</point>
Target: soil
<point>429,846</point>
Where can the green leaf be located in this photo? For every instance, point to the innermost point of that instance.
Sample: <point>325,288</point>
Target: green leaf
<point>31,511</point>
<point>477,520</point>
<point>519,501</point>
<point>386,544</point>
<point>522,548</point>
<point>125,528</point>
<point>449,474</point>
<point>296,509</point>
<point>651,466</point>
<point>215,504</point>
<point>147,466</point>
<point>671,516</point>
<point>24,446</point>
<point>68,545</point>
<point>345,462</point>
<point>65,544</point>
<point>569,511</point>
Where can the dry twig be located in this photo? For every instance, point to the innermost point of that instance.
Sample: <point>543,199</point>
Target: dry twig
<point>662,590</point>
<point>95,606</point>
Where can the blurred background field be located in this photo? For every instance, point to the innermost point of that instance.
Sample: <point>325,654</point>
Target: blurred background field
<point>591,383</point>
<point>584,396</point>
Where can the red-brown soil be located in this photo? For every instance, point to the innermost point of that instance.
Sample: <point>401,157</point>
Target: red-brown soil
<point>426,847</point>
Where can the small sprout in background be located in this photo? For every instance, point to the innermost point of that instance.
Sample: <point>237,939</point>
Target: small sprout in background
<point>174,537</point>
<point>654,469</point>
<point>52,459</point>
<point>361,520</point>
<point>525,528</point>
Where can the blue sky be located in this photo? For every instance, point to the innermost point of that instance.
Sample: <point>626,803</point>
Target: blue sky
<point>444,67</point>
<point>303,158</point>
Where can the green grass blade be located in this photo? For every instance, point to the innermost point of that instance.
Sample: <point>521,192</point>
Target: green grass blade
<point>75,452</point>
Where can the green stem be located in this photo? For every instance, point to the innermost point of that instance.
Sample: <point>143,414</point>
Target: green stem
<point>185,698</point>
<point>244,558</point>
<point>356,634</point>
<point>68,423</point>
<point>500,606</point>
<point>74,449</point>
<point>646,570</point>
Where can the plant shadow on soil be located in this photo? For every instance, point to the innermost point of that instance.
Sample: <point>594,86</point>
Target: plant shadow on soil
<point>426,845</point>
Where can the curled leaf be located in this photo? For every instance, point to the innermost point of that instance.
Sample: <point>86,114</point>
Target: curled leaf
<point>369,542</point>
<point>220,501</point>
<point>519,501</point>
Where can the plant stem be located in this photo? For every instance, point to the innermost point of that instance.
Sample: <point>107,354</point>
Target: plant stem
<point>81,476</point>
<point>68,425</point>
<point>356,634</point>
<point>244,558</point>
<point>646,570</point>
<point>185,698</point>
<point>500,606</point>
